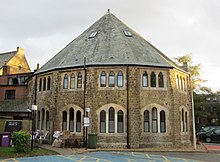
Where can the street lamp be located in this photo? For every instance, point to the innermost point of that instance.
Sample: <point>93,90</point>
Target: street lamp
<point>34,109</point>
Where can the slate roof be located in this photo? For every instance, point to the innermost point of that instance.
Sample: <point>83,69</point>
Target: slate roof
<point>110,46</point>
<point>14,106</point>
<point>5,57</point>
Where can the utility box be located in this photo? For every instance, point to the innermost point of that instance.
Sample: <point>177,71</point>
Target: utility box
<point>5,139</point>
<point>92,140</point>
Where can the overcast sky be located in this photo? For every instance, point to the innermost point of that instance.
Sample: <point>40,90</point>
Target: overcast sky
<point>175,27</point>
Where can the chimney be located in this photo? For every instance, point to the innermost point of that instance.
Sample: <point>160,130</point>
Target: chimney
<point>185,66</point>
<point>38,67</point>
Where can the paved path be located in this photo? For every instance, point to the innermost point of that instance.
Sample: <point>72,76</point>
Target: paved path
<point>102,157</point>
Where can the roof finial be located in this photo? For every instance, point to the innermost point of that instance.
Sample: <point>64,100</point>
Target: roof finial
<point>108,10</point>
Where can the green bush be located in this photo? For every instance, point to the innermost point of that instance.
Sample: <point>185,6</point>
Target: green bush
<point>21,141</point>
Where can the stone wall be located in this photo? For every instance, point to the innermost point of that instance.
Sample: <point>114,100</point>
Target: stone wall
<point>168,98</point>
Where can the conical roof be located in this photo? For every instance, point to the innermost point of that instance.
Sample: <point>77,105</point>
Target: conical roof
<point>108,42</point>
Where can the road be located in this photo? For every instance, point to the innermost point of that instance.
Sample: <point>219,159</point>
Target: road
<point>213,155</point>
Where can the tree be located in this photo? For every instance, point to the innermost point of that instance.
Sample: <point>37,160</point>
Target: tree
<point>194,70</point>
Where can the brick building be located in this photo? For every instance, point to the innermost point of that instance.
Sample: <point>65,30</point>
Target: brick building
<point>14,70</point>
<point>137,96</point>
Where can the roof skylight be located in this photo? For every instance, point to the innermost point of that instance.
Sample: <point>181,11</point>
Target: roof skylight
<point>93,34</point>
<point>127,33</point>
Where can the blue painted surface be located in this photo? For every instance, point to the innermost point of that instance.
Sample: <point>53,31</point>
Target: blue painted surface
<point>101,157</point>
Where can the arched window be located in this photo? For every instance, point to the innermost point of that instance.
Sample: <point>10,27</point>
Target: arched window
<point>102,121</point>
<point>145,79</point>
<point>111,120</point>
<point>160,80</point>
<point>182,121</point>
<point>184,84</point>
<point>48,83</point>
<point>64,122</point>
<point>154,120</point>
<point>177,82</point>
<point>111,79</point>
<point>186,120</point>
<point>72,81</point>
<point>120,79</point>
<point>146,121</point>
<point>65,82</point>
<point>38,119</point>
<point>40,84</point>
<point>103,79</point>
<point>79,80</point>
<point>152,79</point>
<point>44,84</point>
<point>71,121</point>
<point>162,122</point>
<point>120,122</point>
<point>47,120</point>
<point>78,121</point>
<point>42,118</point>
<point>181,84</point>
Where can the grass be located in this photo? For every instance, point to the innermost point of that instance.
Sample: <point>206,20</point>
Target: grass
<point>9,152</point>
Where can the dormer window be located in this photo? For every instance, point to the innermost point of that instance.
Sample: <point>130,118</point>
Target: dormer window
<point>127,33</point>
<point>93,34</point>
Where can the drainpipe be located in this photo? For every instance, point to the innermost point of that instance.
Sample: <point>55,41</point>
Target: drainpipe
<point>128,124</point>
<point>84,105</point>
<point>193,118</point>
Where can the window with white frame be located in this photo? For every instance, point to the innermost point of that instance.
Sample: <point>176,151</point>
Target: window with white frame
<point>65,82</point>
<point>72,81</point>
<point>103,121</point>
<point>111,120</point>
<point>162,122</point>
<point>120,79</point>
<point>103,79</point>
<point>146,121</point>
<point>145,79</point>
<point>154,120</point>
<point>111,79</point>
<point>120,121</point>
<point>160,80</point>
<point>71,120</point>
<point>153,79</point>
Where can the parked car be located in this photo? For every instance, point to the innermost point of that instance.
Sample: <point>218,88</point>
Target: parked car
<point>211,136</point>
<point>206,129</point>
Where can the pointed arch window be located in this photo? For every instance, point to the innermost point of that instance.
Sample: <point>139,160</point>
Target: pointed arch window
<point>120,79</point>
<point>42,118</point>
<point>181,83</point>
<point>71,121</point>
<point>78,121</point>
<point>79,80</point>
<point>47,120</point>
<point>103,79</point>
<point>65,82</point>
<point>154,120</point>
<point>111,79</point>
<point>44,84</point>
<point>38,119</point>
<point>111,120</point>
<point>102,121</point>
<point>64,121</point>
<point>120,122</point>
<point>40,84</point>
<point>177,82</point>
<point>184,84</point>
<point>161,80</point>
<point>153,79</point>
<point>182,121</point>
<point>186,121</point>
<point>48,83</point>
<point>72,81</point>
<point>146,121</point>
<point>145,79</point>
<point>162,122</point>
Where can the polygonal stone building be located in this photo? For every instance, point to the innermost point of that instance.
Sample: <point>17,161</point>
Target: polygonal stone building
<point>137,96</point>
